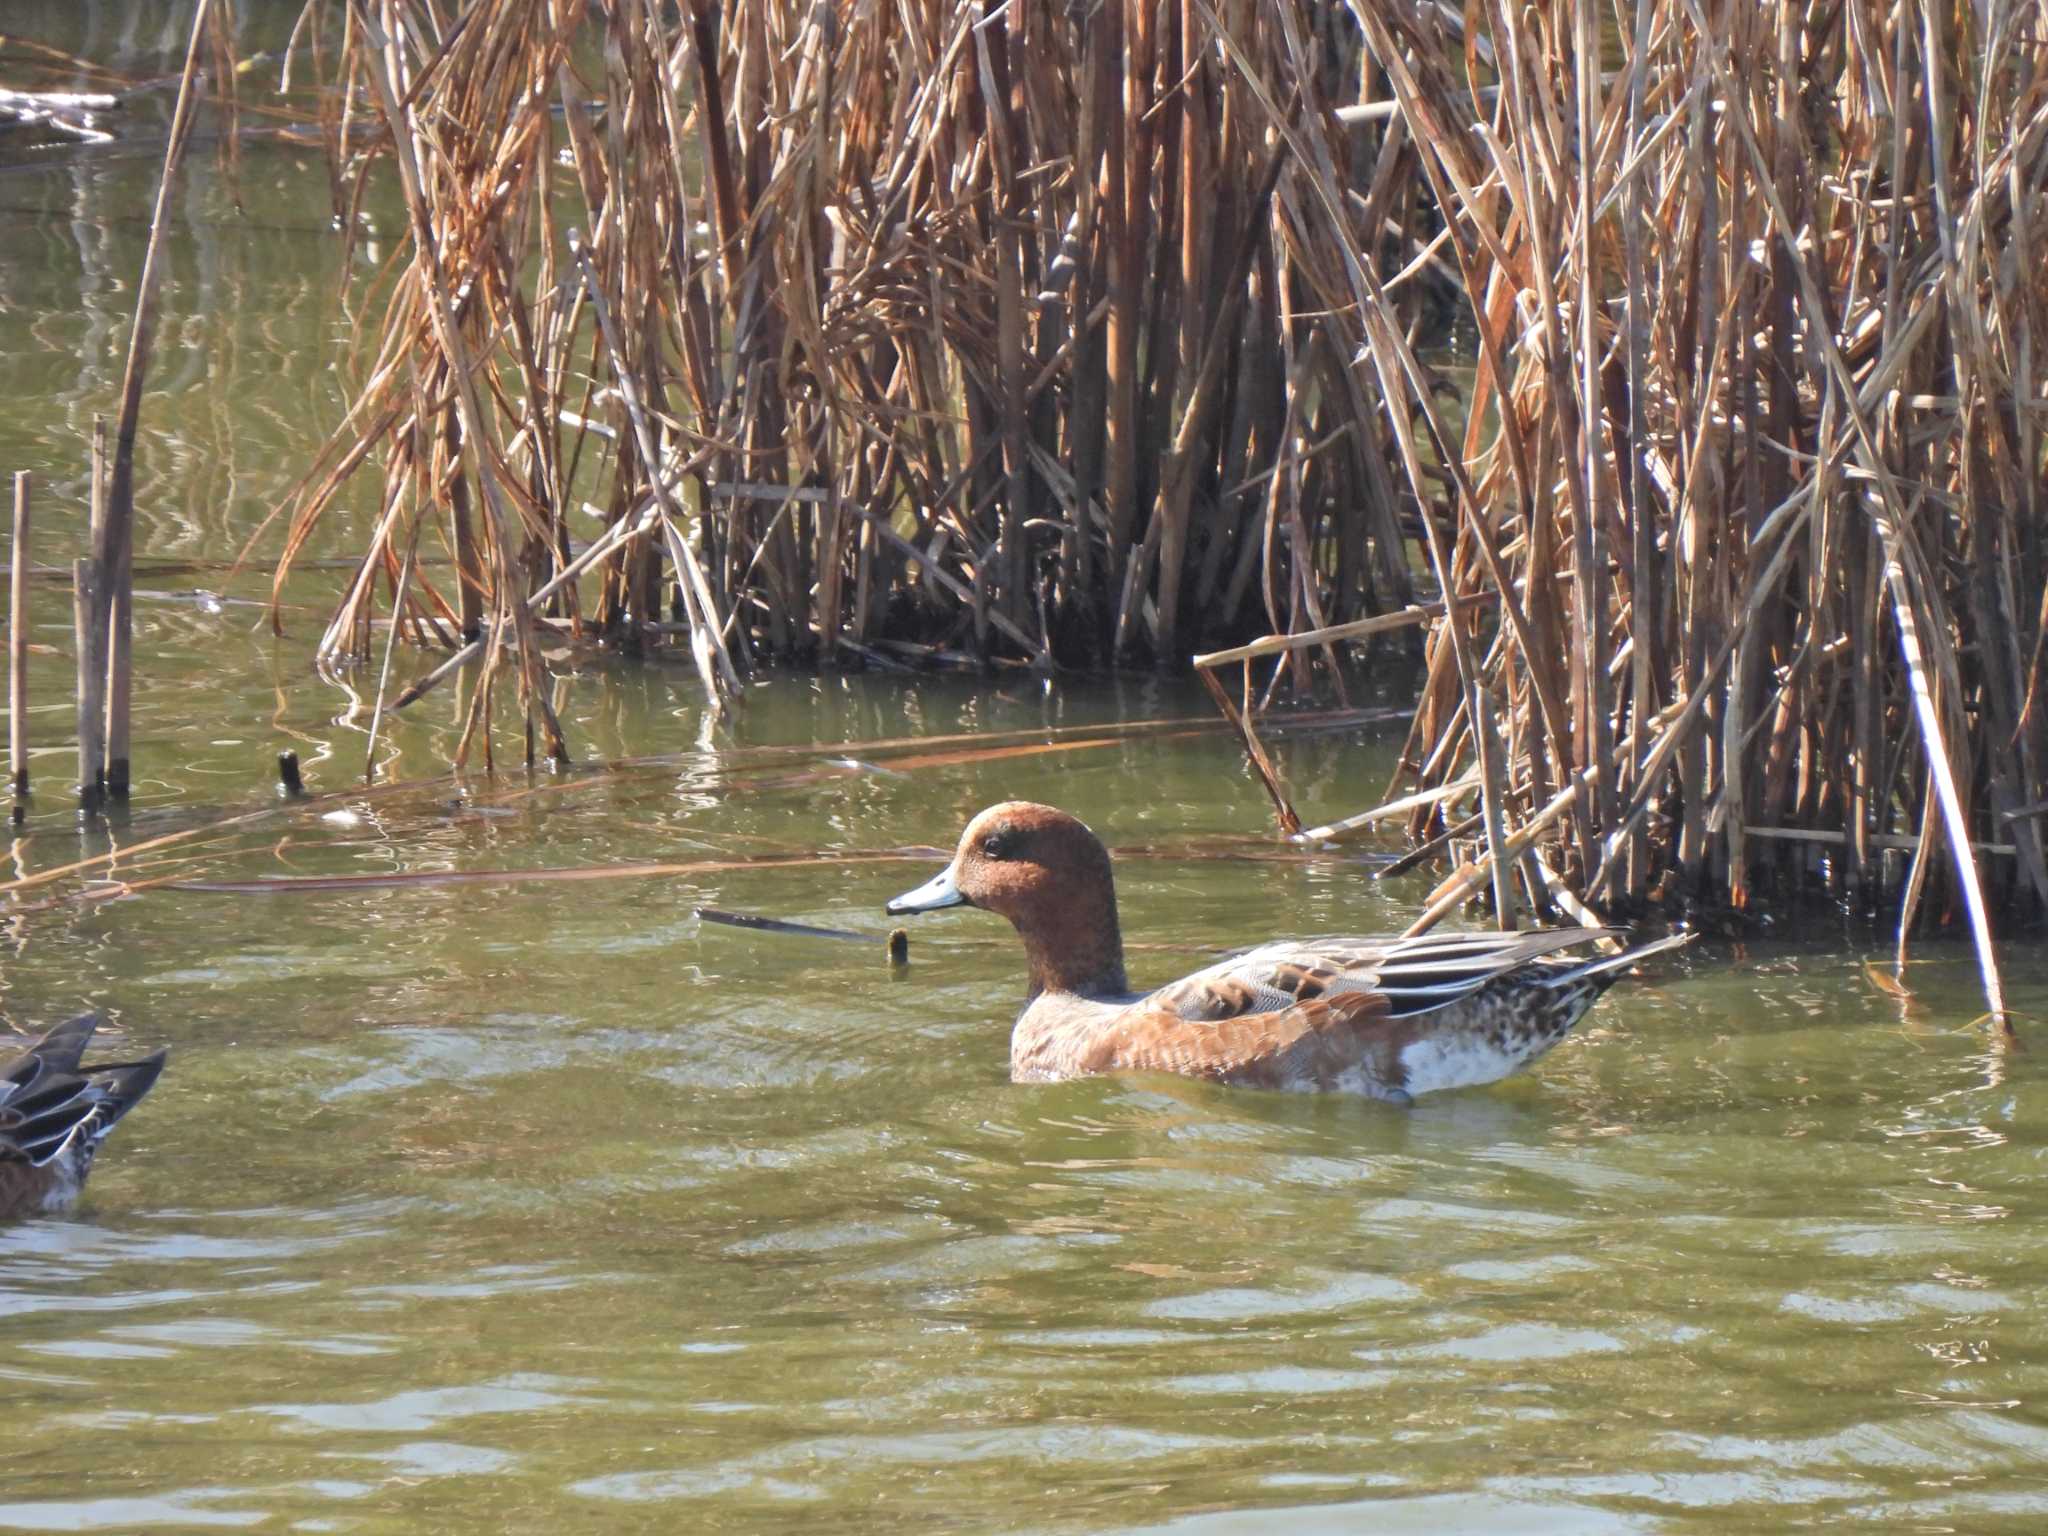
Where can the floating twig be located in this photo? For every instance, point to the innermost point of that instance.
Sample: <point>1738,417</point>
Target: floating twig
<point>779,925</point>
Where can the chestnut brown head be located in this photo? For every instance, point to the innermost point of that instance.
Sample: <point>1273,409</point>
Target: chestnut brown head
<point>1050,876</point>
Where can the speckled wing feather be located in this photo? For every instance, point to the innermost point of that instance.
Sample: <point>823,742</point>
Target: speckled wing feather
<point>1321,1042</point>
<point>1411,975</point>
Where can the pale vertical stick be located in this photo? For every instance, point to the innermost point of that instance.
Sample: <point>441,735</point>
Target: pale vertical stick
<point>105,588</point>
<point>92,747</point>
<point>120,604</point>
<point>17,643</point>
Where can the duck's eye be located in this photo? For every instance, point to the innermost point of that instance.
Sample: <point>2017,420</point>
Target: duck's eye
<point>999,845</point>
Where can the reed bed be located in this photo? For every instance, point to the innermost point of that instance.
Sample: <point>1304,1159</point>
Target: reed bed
<point>1752,466</point>
<point>855,335</point>
<point>1085,335</point>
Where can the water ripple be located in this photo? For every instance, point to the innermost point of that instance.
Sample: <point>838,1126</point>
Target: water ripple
<point>430,1408</point>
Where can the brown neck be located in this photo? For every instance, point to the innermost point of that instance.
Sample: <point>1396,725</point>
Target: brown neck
<point>1076,947</point>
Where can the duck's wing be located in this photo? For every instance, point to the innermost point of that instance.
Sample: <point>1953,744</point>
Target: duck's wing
<point>1410,975</point>
<point>52,1107</point>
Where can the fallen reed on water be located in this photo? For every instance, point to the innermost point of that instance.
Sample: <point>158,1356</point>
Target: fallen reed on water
<point>1085,335</point>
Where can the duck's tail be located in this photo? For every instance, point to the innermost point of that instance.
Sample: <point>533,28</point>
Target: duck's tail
<point>123,1083</point>
<point>1609,969</point>
<point>67,1104</point>
<point>61,1048</point>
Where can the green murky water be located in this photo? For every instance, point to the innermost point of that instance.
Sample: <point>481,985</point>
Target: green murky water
<point>541,1205</point>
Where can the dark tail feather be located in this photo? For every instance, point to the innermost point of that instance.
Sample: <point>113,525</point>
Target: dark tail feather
<point>1606,972</point>
<point>125,1083</point>
<point>61,1048</point>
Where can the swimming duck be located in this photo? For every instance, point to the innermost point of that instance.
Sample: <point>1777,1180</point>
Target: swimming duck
<point>54,1113</point>
<point>1382,1016</point>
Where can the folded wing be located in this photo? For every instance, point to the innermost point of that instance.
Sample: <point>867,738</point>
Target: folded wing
<point>1413,975</point>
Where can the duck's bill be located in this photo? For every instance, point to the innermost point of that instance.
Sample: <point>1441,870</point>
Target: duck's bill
<point>937,892</point>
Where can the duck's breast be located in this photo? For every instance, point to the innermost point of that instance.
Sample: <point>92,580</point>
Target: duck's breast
<point>1054,1034</point>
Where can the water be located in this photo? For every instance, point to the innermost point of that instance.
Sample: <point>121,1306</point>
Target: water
<point>544,1205</point>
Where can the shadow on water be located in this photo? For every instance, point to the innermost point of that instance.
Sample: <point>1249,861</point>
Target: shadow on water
<point>481,1207</point>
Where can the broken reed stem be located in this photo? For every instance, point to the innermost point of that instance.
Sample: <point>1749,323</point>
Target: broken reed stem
<point>1358,629</point>
<point>1255,753</point>
<point>17,643</point>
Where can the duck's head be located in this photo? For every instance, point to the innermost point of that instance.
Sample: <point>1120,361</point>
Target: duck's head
<point>1050,876</point>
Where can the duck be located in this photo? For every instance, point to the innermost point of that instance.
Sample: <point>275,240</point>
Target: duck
<point>55,1112</point>
<point>1384,1016</point>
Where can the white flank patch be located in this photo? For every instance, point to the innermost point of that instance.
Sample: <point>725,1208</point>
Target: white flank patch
<point>1455,1061</point>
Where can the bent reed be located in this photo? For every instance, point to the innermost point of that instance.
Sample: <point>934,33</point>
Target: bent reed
<point>1093,334</point>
